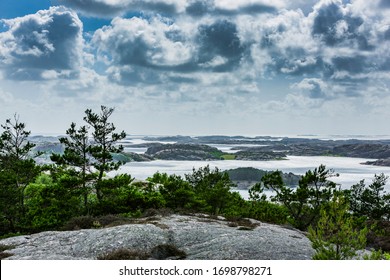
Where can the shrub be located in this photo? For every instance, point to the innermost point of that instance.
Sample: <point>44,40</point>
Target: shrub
<point>120,195</point>
<point>303,203</point>
<point>49,204</point>
<point>88,222</point>
<point>82,222</point>
<point>370,201</point>
<point>379,235</point>
<point>269,212</point>
<point>335,238</point>
<point>212,187</point>
<point>157,212</point>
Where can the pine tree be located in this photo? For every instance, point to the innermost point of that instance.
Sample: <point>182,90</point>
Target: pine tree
<point>304,202</point>
<point>335,237</point>
<point>104,142</point>
<point>77,154</point>
<point>17,170</point>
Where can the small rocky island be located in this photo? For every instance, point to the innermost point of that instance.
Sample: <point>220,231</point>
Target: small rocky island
<point>264,148</point>
<point>379,162</point>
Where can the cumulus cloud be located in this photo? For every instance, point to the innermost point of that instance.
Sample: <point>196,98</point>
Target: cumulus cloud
<point>314,86</point>
<point>285,43</point>
<point>140,42</point>
<point>333,49</point>
<point>42,45</point>
<point>143,50</point>
<point>196,8</point>
<point>111,8</point>
<point>336,25</point>
<point>219,45</point>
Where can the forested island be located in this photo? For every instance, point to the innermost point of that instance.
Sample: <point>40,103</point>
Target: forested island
<point>256,148</point>
<point>72,191</point>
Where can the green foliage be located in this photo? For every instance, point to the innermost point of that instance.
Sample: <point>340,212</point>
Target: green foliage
<point>246,174</point>
<point>17,170</point>
<point>9,204</point>
<point>13,141</point>
<point>335,237</point>
<point>76,157</point>
<point>262,209</point>
<point>49,204</point>
<point>204,190</point>
<point>269,212</point>
<point>236,206</point>
<point>212,186</point>
<point>256,192</point>
<point>104,141</point>
<point>228,156</point>
<point>177,193</point>
<point>370,201</point>
<point>77,148</point>
<point>303,203</point>
<point>121,195</point>
<point>377,255</point>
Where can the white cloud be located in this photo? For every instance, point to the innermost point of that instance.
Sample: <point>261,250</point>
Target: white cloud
<point>238,4</point>
<point>137,41</point>
<point>194,8</point>
<point>248,64</point>
<point>50,40</point>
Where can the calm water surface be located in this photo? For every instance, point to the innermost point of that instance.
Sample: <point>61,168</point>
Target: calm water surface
<point>351,170</point>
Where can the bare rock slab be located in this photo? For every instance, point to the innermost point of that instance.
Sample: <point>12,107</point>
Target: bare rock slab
<point>200,237</point>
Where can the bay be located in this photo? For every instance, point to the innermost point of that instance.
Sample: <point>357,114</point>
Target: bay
<point>350,170</point>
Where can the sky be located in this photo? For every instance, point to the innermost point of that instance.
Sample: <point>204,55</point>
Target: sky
<point>198,67</point>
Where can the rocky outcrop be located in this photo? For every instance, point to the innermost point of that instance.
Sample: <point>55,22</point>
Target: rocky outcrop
<point>365,150</point>
<point>199,237</point>
<point>379,162</point>
<point>246,177</point>
<point>184,152</point>
<point>258,155</point>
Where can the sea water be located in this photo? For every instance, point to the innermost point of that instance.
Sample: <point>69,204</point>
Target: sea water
<point>350,170</point>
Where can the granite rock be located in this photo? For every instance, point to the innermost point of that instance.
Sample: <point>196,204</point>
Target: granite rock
<point>199,236</point>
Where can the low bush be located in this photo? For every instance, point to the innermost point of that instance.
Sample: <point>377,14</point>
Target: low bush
<point>157,212</point>
<point>88,222</point>
<point>379,237</point>
<point>82,222</point>
<point>268,212</point>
